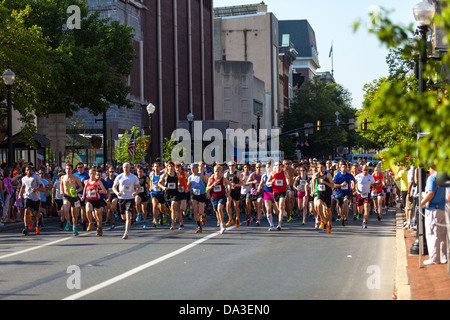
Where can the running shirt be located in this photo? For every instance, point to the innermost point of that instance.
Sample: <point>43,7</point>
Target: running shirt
<point>57,186</point>
<point>322,188</point>
<point>279,182</point>
<point>233,178</point>
<point>245,188</point>
<point>143,184</point>
<point>30,183</point>
<point>92,190</point>
<point>172,184</point>
<point>198,187</point>
<point>126,185</point>
<point>217,191</point>
<point>155,189</point>
<point>378,179</point>
<point>363,183</point>
<point>267,188</point>
<point>254,186</point>
<point>182,182</point>
<point>339,178</point>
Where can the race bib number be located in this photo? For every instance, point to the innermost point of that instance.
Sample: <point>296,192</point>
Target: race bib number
<point>172,185</point>
<point>303,182</point>
<point>344,187</point>
<point>180,188</point>
<point>279,183</point>
<point>156,188</point>
<point>126,188</point>
<point>196,192</point>
<point>373,193</point>
<point>364,195</point>
<point>321,187</point>
<point>77,204</point>
<point>92,194</point>
<point>217,188</point>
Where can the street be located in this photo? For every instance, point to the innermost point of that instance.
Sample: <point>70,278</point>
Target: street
<point>249,262</point>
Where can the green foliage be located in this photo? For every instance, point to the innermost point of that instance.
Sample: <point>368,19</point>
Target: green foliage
<point>121,152</point>
<point>60,70</point>
<point>316,100</point>
<point>396,103</point>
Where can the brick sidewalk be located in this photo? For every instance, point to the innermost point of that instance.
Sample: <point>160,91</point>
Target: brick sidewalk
<point>429,282</point>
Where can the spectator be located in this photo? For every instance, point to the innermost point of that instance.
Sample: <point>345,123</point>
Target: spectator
<point>435,228</point>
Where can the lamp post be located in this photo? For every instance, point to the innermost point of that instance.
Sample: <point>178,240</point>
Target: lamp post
<point>151,110</point>
<point>190,119</point>
<point>9,77</point>
<point>424,14</point>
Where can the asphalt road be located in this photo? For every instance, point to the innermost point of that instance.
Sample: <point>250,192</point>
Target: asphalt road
<point>246,263</point>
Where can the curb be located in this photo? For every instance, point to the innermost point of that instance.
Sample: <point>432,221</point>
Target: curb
<point>402,286</point>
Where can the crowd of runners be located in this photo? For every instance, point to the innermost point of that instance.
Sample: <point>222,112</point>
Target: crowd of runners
<point>166,194</point>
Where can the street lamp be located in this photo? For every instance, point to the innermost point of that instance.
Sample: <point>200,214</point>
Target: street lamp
<point>190,119</point>
<point>424,14</point>
<point>9,77</point>
<point>151,110</point>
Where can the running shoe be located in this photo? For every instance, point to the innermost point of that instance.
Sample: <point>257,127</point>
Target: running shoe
<point>278,227</point>
<point>144,225</point>
<point>30,225</point>
<point>230,222</point>
<point>222,229</point>
<point>329,227</point>
<point>125,236</point>
<point>38,230</point>
<point>199,230</point>
<point>75,232</point>
<point>25,232</point>
<point>237,223</point>
<point>181,227</point>
<point>113,226</point>
<point>364,225</point>
<point>172,227</point>
<point>99,232</point>
<point>271,228</point>
<point>90,226</point>
<point>248,221</point>
<point>155,225</point>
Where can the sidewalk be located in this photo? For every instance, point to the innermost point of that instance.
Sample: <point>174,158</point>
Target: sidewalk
<point>412,281</point>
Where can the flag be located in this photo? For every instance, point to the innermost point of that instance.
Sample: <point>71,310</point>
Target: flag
<point>132,145</point>
<point>331,51</point>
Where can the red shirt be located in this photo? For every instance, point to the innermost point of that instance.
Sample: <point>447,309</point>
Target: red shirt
<point>279,182</point>
<point>92,190</point>
<point>217,191</point>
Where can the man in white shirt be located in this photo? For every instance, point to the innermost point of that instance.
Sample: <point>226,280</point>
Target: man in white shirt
<point>30,192</point>
<point>126,187</point>
<point>364,182</point>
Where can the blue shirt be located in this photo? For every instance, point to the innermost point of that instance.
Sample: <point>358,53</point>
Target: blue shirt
<point>438,201</point>
<point>82,176</point>
<point>340,178</point>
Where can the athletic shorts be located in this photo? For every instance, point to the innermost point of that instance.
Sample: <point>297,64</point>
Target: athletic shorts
<point>33,205</point>
<point>143,196</point>
<point>126,205</point>
<point>269,196</point>
<point>200,198</point>
<point>216,201</point>
<point>360,201</point>
<point>97,204</point>
<point>74,201</point>
<point>278,196</point>
<point>301,194</point>
<point>341,199</point>
<point>159,197</point>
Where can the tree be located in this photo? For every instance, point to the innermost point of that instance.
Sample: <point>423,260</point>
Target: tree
<point>60,70</point>
<point>314,101</point>
<point>429,111</point>
<point>142,143</point>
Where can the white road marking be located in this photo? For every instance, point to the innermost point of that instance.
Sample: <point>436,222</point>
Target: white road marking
<point>147,265</point>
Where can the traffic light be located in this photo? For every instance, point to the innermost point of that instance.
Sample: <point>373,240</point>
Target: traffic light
<point>319,125</point>
<point>364,125</point>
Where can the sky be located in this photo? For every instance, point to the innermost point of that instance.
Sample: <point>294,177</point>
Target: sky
<point>359,57</point>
